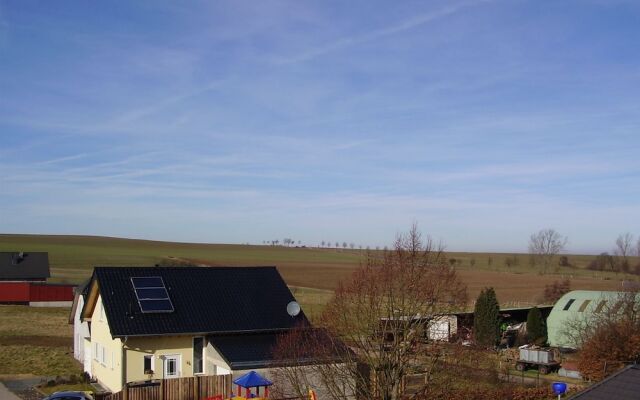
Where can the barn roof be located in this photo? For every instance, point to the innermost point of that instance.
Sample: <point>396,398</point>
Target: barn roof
<point>576,306</point>
<point>203,300</point>
<point>24,266</point>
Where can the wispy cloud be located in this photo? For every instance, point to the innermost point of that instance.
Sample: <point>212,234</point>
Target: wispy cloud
<point>370,36</point>
<point>162,104</point>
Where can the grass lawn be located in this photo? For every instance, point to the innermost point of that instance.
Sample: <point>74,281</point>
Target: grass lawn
<point>36,341</point>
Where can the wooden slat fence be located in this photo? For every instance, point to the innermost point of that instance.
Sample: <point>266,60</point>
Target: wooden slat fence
<point>192,388</point>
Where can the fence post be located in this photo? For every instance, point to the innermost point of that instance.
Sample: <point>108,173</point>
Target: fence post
<point>125,391</point>
<point>161,389</point>
<point>196,387</point>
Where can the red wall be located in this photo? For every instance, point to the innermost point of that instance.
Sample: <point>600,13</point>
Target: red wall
<point>40,292</point>
<point>30,291</point>
<point>14,291</point>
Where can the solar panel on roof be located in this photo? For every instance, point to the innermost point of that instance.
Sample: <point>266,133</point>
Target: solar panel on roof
<point>151,294</point>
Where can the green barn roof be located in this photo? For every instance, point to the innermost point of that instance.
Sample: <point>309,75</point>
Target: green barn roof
<point>577,306</point>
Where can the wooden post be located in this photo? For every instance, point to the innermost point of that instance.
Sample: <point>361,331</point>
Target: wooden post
<point>196,387</point>
<point>161,389</point>
<point>125,392</point>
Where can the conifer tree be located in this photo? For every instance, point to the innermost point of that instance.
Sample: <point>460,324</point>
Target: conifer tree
<point>536,329</point>
<point>486,320</point>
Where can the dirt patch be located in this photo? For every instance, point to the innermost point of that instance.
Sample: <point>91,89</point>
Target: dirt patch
<point>45,341</point>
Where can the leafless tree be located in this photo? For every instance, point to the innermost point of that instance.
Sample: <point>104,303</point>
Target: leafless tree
<point>623,250</point>
<point>544,246</point>
<point>375,317</point>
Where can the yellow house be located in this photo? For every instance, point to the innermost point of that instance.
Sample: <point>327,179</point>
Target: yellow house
<point>166,322</point>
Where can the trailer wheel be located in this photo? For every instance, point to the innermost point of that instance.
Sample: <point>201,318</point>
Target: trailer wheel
<point>520,366</point>
<point>544,369</point>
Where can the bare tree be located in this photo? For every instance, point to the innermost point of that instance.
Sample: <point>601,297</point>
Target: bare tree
<point>323,243</point>
<point>544,246</point>
<point>638,247</point>
<point>376,316</point>
<point>624,249</point>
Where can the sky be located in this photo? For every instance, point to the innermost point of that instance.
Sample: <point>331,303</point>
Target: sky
<point>245,121</point>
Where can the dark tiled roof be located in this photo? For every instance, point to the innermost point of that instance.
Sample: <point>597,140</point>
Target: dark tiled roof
<point>623,385</point>
<point>251,351</point>
<point>19,266</point>
<point>247,351</point>
<point>205,300</point>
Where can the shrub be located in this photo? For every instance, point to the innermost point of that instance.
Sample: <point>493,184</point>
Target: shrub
<point>557,289</point>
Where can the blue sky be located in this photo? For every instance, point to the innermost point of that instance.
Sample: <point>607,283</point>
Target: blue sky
<point>243,121</point>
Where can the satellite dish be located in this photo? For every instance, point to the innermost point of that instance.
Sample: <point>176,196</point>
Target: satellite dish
<point>293,308</point>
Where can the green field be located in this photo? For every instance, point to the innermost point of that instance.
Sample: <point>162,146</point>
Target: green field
<point>38,340</point>
<point>72,259</point>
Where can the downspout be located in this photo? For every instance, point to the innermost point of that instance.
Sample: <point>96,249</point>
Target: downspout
<point>125,392</point>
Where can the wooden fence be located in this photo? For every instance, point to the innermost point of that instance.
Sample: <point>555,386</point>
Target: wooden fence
<point>193,388</point>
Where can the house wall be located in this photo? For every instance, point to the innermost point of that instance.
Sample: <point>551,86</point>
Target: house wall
<point>159,346</point>
<point>139,347</point>
<point>80,332</point>
<point>214,363</point>
<point>106,352</point>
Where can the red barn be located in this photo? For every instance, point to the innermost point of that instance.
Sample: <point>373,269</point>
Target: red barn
<point>23,281</point>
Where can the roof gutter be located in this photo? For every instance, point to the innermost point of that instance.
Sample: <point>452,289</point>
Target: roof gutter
<point>221,333</point>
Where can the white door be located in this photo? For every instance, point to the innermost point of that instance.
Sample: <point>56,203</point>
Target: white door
<point>171,366</point>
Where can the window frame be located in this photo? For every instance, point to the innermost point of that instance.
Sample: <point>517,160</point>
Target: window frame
<point>178,359</point>
<point>584,305</point>
<point>202,358</point>
<point>151,359</point>
<point>568,305</point>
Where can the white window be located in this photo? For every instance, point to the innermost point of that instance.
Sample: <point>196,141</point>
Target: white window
<point>172,366</point>
<point>95,351</point>
<point>105,355</point>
